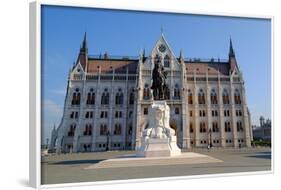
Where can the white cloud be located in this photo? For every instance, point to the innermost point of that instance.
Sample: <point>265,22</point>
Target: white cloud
<point>59,92</point>
<point>50,107</point>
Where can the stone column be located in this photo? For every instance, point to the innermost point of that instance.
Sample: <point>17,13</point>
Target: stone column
<point>247,124</point>
<point>196,118</point>
<point>125,107</point>
<point>185,111</point>
<point>233,116</point>
<point>81,118</point>
<point>208,110</point>
<point>111,111</point>
<point>96,124</point>
<point>221,116</point>
<point>137,109</point>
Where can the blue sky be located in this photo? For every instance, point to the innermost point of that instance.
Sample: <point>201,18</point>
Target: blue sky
<point>126,32</point>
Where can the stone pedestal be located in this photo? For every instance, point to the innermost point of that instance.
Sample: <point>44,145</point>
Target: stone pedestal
<point>158,140</point>
<point>158,148</point>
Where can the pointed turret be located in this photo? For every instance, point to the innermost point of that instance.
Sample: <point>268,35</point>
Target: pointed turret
<point>181,55</point>
<point>83,54</point>
<point>54,129</point>
<point>232,59</point>
<point>231,51</point>
<point>84,47</point>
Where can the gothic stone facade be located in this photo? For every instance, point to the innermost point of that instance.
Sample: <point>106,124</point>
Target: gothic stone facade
<point>107,100</point>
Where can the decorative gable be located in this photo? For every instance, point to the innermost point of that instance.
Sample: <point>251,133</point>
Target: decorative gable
<point>163,53</point>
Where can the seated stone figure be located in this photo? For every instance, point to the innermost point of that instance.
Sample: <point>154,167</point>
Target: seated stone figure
<point>158,139</point>
<point>159,122</point>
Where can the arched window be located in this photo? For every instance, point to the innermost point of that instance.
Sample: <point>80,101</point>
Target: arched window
<point>214,99</point>
<point>130,129</point>
<point>105,97</point>
<point>146,92</point>
<point>225,97</point>
<point>239,126</point>
<point>76,97</point>
<point>202,127</point>
<point>117,129</point>
<point>237,97</point>
<point>227,127</point>
<point>215,127</point>
<point>201,97</point>
<point>71,131</point>
<point>189,97</point>
<point>132,97</point>
<point>103,129</point>
<point>176,92</point>
<point>167,61</point>
<point>91,97</point>
<point>119,97</point>
<point>88,130</point>
<point>190,127</point>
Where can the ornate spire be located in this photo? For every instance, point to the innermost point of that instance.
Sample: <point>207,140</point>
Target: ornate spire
<point>181,54</point>
<point>231,51</point>
<point>84,47</point>
<point>54,129</point>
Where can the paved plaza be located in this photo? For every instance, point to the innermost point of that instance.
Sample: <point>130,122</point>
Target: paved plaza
<point>101,166</point>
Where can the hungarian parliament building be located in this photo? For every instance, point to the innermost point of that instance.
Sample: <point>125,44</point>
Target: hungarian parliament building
<point>107,99</point>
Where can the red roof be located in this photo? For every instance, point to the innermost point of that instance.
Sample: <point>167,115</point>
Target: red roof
<point>212,68</point>
<point>121,66</point>
<point>108,65</point>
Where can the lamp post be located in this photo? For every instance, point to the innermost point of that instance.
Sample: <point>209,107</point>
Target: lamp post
<point>107,140</point>
<point>210,138</point>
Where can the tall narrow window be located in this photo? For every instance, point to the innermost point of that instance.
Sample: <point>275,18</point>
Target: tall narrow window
<point>88,130</point>
<point>71,130</point>
<point>214,99</point>
<point>130,129</point>
<point>239,126</point>
<point>177,92</point>
<point>76,114</point>
<point>132,97</point>
<point>190,127</point>
<point>76,97</point>
<point>227,127</point>
<point>145,111</point>
<point>146,92</point>
<point>215,127</point>
<point>190,97</point>
<point>91,97</point>
<point>167,61</point>
<point>225,97</point>
<point>119,97</point>
<point>177,110</point>
<point>237,97</point>
<point>103,129</point>
<point>201,97</point>
<point>117,129</point>
<point>202,127</point>
<point>105,97</point>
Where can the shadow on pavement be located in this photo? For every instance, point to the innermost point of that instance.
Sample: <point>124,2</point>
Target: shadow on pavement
<point>73,162</point>
<point>262,155</point>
